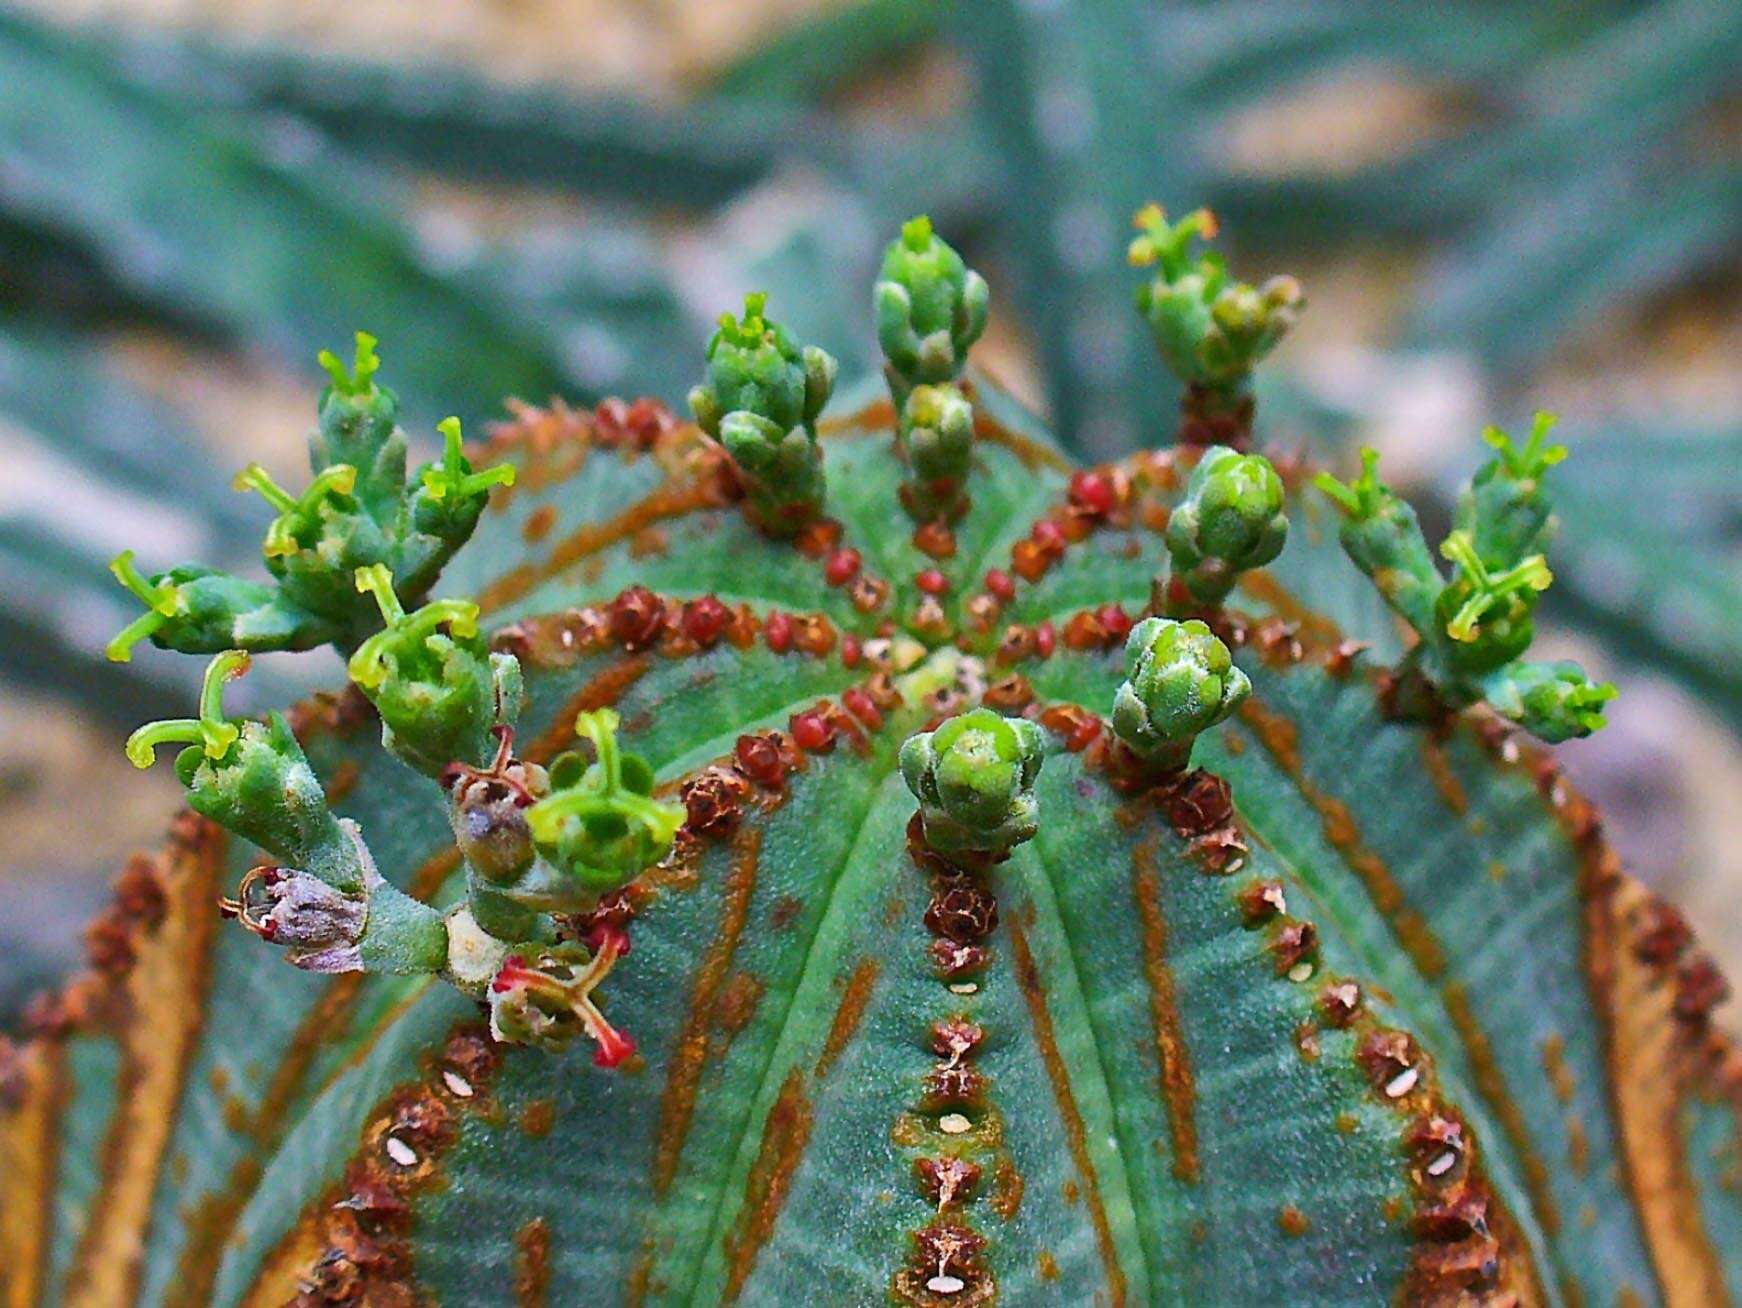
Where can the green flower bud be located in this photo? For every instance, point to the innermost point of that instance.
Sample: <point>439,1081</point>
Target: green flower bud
<point>931,307</point>
<point>318,540</point>
<point>781,471</point>
<point>937,432</point>
<point>197,610</point>
<point>1182,682</point>
<point>359,426</point>
<point>445,503</point>
<point>1209,329</point>
<point>599,823</point>
<point>1230,521</point>
<point>438,688</point>
<point>760,400</point>
<point>1552,701</point>
<point>452,483</point>
<point>1383,537</point>
<point>253,779</point>
<point>974,779</point>
<point>1487,615</point>
<point>1504,509</point>
<point>755,366</point>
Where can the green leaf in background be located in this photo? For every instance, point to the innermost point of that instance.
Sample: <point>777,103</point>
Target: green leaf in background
<point>1087,132</point>
<point>1649,556</point>
<point>196,218</point>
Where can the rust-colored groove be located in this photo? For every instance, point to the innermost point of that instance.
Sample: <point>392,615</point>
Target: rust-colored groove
<point>601,691</point>
<point>785,1134</point>
<point>30,1151</point>
<point>210,1222</point>
<point>162,1010</point>
<point>1174,1059</point>
<point>433,873</point>
<point>1439,771</point>
<point>855,998</point>
<point>1491,1085</point>
<point>1267,590</point>
<point>1076,1133</point>
<point>532,1264</point>
<point>683,1080</point>
<point>667,502</point>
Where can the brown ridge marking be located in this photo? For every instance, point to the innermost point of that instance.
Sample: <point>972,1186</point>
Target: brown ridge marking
<point>640,1277</point>
<point>785,1134</point>
<point>532,1264</point>
<point>678,1102</point>
<point>350,1244</point>
<point>666,502</point>
<point>342,782</point>
<point>1172,1056</point>
<point>162,1005</point>
<point>1554,1065</point>
<point>601,691</point>
<point>433,873</point>
<point>1031,453</point>
<point>1651,1066</point>
<point>855,998</point>
<point>1439,771</point>
<point>1281,738</point>
<point>1076,1133</point>
<point>1267,590</point>
<point>879,415</point>
<point>1485,1071</point>
<point>30,1149</point>
<point>214,1217</point>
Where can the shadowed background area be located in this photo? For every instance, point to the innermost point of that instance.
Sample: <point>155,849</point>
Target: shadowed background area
<point>1494,208</point>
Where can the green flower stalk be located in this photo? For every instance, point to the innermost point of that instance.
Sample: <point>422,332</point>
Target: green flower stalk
<point>937,432</point>
<point>1473,629</point>
<point>359,426</point>
<point>931,307</point>
<point>760,398</point>
<point>1230,521</point>
<point>357,512</point>
<point>1182,682</point>
<point>1505,510</point>
<point>254,779</point>
<point>974,779</point>
<point>1210,329</point>
<point>438,688</point>
<point>1552,701</point>
<point>1383,536</point>
<point>599,825</point>
<point>195,610</point>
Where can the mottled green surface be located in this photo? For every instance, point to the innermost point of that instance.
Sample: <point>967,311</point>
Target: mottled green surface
<point>835,896</point>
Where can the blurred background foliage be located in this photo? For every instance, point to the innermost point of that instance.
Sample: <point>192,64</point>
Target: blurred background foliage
<point>1495,207</point>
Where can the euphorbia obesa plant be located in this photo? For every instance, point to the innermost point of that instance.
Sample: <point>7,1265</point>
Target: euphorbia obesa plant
<point>865,859</point>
